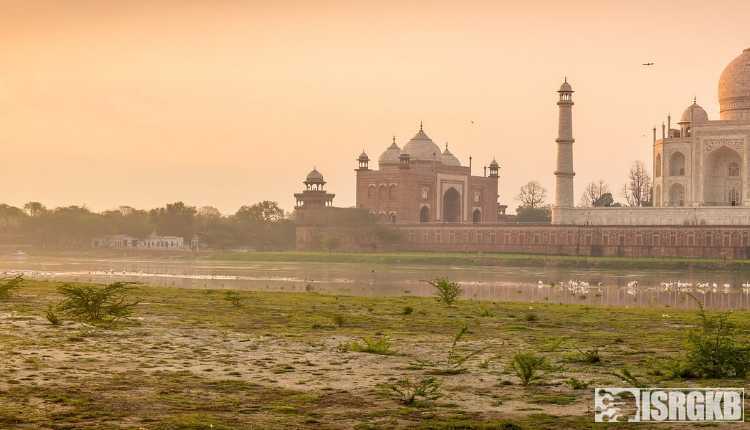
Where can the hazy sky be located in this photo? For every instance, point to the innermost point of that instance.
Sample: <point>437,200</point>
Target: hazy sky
<point>224,103</point>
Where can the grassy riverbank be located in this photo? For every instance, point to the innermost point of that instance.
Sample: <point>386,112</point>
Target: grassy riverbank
<point>191,359</point>
<point>484,259</point>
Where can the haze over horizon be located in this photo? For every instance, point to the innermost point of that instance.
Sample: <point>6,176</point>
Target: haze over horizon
<point>226,103</point>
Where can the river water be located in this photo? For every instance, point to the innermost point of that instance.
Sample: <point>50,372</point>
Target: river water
<point>626,288</point>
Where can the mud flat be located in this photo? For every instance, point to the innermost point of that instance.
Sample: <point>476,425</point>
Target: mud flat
<point>191,359</point>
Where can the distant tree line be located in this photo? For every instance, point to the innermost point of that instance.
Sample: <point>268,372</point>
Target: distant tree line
<point>259,226</point>
<point>638,192</point>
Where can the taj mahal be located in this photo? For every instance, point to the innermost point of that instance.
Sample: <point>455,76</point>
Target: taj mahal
<point>701,168</point>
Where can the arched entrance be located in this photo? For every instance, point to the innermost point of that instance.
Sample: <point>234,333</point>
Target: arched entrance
<point>723,178</point>
<point>676,195</point>
<point>424,214</point>
<point>677,164</point>
<point>476,216</point>
<point>451,206</point>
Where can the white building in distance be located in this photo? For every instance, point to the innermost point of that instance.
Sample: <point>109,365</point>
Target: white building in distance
<point>701,169</point>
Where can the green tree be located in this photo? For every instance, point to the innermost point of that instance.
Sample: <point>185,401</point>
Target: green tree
<point>176,219</point>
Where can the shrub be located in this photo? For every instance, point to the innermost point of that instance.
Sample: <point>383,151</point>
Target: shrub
<point>713,351</point>
<point>590,356</point>
<point>527,366</point>
<point>233,297</point>
<point>455,360</point>
<point>91,304</point>
<point>339,320</point>
<point>9,285</point>
<point>52,316</point>
<point>408,310</point>
<point>577,384</point>
<point>628,378</point>
<point>447,291</point>
<point>531,317</point>
<point>409,391</point>
<point>372,345</point>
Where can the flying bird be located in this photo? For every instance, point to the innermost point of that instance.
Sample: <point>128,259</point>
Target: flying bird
<point>648,64</point>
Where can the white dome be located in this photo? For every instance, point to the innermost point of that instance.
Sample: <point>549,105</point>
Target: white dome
<point>422,148</point>
<point>448,158</point>
<point>391,154</point>
<point>694,113</point>
<point>734,88</point>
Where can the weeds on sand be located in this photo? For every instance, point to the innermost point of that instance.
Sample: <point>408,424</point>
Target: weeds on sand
<point>372,345</point>
<point>94,305</point>
<point>9,285</point>
<point>455,360</point>
<point>446,291</point>
<point>233,297</point>
<point>527,367</point>
<point>409,391</point>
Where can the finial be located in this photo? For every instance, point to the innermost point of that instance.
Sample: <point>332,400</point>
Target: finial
<point>420,125</point>
<point>446,146</point>
<point>566,79</point>
<point>695,100</point>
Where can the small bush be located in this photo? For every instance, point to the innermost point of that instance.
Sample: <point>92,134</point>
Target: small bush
<point>339,320</point>
<point>51,315</point>
<point>91,304</point>
<point>10,285</point>
<point>531,317</point>
<point>628,378</point>
<point>577,384</point>
<point>409,391</point>
<point>447,291</point>
<point>408,310</point>
<point>455,360</point>
<point>372,345</point>
<point>590,356</point>
<point>713,351</point>
<point>527,366</point>
<point>233,297</point>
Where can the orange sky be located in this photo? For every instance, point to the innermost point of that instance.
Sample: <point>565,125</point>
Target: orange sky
<point>224,103</point>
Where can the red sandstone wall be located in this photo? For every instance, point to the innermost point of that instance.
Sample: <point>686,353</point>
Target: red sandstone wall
<point>630,241</point>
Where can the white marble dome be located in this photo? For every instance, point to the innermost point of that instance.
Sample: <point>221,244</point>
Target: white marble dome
<point>734,89</point>
<point>448,158</point>
<point>391,154</point>
<point>694,114</point>
<point>422,148</point>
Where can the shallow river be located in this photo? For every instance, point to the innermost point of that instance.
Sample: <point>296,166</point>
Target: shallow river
<point>717,289</point>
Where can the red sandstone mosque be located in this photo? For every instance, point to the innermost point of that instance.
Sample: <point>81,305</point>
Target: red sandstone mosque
<point>416,184</point>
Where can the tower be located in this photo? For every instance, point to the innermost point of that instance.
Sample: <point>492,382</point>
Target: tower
<point>564,173</point>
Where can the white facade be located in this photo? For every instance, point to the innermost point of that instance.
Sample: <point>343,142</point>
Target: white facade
<point>154,242</point>
<point>701,169</point>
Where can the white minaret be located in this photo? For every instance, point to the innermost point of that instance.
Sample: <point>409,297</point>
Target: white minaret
<point>564,172</point>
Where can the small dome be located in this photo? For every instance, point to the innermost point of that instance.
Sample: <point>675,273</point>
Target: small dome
<point>565,87</point>
<point>421,147</point>
<point>314,176</point>
<point>448,158</point>
<point>494,163</point>
<point>694,113</point>
<point>363,157</point>
<point>390,155</point>
<point>734,88</point>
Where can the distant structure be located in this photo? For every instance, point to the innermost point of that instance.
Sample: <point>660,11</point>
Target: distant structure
<point>422,184</point>
<point>153,242</point>
<point>314,195</point>
<point>701,169</point>
<point>564,174</point>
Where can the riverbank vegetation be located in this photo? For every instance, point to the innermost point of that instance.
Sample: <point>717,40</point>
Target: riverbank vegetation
<point>263,225</point>
<point>192,359</point>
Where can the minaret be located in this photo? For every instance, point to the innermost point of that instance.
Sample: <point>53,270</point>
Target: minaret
<point>564,173</point>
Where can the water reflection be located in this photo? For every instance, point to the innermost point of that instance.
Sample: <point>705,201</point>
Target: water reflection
<point>645,288</point>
